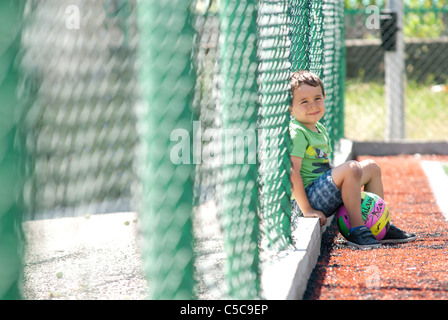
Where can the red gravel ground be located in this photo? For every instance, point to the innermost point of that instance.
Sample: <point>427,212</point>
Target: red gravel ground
<point>417,270</point>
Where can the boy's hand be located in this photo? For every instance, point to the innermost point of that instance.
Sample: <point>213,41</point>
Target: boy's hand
<point>316,214</point>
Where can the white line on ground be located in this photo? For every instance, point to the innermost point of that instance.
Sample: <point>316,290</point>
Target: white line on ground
<point>439,184</point>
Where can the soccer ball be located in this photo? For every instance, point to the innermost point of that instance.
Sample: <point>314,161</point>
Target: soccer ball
<point>375,214</point>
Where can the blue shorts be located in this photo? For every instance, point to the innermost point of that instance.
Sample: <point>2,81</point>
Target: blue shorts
<point>323,195</point>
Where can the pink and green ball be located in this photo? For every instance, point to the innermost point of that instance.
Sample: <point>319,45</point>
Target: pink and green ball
<point>375,214</point>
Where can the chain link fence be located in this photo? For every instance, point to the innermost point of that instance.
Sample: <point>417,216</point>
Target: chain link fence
<point>176,110</point>
<point>425,33</point>
<point>81,126</point>
<point>12,153</point>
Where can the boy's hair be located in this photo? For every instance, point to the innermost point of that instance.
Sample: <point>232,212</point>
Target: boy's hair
<point>301,77</point>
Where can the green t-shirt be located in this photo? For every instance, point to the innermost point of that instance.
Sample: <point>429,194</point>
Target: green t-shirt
<point>314,149</point>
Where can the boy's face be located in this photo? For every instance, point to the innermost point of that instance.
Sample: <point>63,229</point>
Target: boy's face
<point>308,105</point>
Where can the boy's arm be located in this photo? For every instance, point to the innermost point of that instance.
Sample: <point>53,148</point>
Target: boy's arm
<point>298,190</point>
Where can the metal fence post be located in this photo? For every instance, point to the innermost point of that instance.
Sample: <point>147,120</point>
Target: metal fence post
<point>395,79</point>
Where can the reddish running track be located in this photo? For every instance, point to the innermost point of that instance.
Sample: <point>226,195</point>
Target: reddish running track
<point>417,270</point>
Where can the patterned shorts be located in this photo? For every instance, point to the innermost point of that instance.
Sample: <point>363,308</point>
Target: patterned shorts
<point>323,195</point>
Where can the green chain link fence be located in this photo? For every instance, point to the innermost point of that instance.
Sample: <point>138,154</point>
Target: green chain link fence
<point>238,201</point>
<point>178,110</point>
<point>167,82</point>
<point>12,153</point>
<point>274,70</point>
<point>78,61</point>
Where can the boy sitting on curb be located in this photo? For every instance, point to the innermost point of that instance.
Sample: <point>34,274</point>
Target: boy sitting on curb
<point>318,189</point>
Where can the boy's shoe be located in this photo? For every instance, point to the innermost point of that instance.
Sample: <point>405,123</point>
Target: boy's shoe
<point>395,235</point>
<point>362,238</point>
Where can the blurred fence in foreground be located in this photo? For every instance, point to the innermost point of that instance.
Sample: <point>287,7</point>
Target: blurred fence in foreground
<point>176,110</point>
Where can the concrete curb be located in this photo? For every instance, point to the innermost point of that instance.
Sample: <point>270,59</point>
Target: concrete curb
<point>287,277</point>
<point>399,147</point>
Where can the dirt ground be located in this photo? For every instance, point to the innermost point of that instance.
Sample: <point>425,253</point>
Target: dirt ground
<point>417,270</point>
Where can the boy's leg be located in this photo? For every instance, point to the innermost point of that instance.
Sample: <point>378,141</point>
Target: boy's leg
<point>371,177</point>
<point>372,181</point>
<point>347,177</point>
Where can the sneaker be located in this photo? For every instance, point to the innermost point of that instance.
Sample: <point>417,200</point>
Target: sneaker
<point>395,235</point>
<point>362,238</point>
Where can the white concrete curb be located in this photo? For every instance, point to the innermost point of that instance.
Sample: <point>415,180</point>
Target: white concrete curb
<point>287,277</point>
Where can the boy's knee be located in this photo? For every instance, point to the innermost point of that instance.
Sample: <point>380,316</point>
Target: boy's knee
<point>355,169</point>
<point>373,166</point>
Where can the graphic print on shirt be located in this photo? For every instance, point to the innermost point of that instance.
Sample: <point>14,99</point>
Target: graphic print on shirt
<point>323,165</point>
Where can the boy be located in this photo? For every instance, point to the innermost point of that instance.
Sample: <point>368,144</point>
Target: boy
<point>318,189</point>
